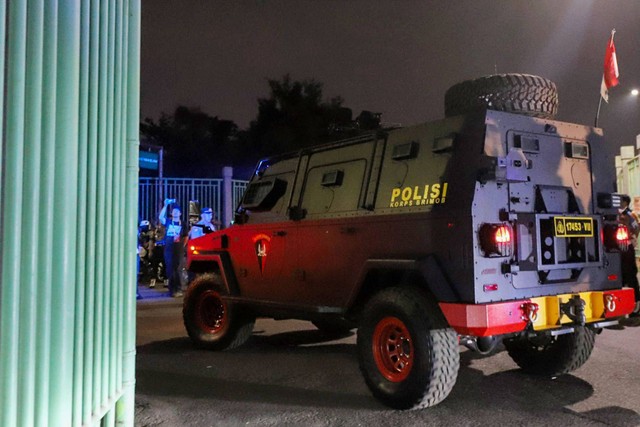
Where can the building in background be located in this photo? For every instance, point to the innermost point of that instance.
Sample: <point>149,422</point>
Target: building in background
<point>627,165</point>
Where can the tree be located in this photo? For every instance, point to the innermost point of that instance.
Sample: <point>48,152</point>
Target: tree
<point>196,144</point>
<point>295,116</point>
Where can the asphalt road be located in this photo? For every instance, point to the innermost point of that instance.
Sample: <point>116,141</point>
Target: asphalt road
<point>289,374</point>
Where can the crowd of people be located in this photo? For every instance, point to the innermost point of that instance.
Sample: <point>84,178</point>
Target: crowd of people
<point>161,248</point>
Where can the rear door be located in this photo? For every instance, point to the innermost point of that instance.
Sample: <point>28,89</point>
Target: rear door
<point>550,190</point>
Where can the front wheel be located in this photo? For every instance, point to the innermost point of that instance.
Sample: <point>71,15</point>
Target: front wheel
<point>212,322</point>
<point>408,355</point>
<point>552,356</point>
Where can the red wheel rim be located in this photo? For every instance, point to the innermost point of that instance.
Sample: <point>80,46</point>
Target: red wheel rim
<point>211,312</point>
<point>393,349</point>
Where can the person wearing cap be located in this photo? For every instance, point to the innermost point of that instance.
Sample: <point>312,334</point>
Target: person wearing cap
<point>174,241</point>
<point>204,226</point>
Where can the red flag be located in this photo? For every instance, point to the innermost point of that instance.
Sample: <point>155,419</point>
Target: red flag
<point>611,74</point>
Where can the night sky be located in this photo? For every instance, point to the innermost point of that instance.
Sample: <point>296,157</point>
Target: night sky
<point>393,57</point>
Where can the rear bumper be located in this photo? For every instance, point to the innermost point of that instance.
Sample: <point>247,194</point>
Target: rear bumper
<point>542,313</point>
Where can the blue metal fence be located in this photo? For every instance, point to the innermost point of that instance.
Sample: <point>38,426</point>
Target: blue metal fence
<point>208,192</point>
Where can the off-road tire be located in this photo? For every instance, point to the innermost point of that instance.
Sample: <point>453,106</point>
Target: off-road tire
<point>552,356</point>
<point>211,322</point>
<point>408,355</point>
<point>515,93</point>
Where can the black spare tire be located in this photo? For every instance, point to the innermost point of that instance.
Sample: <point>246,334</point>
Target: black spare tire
<point>515,93</point>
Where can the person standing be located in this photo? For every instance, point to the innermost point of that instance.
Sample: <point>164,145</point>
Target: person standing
<point>204,226</point>
<point>628,256</point>
<point>174,241</point>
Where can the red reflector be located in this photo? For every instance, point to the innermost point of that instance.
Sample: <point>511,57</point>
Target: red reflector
<point>612,277</point>
<point>490,288</point>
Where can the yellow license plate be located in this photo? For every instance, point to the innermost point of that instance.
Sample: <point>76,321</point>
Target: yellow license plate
<point>567,226</point>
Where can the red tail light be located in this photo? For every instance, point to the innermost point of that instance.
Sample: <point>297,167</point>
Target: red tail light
<point>616,237</point>
<point>496,239</point>
<point>622,234</point>
<point>503,234</point>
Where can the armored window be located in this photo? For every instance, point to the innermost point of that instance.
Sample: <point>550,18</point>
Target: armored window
<point>263,195</point>
<point>334,188</point>
<point>332,178</point>
<point>576,150</point>
<point>408,150</point>
<point>527,143</point>
<point>443,144</point>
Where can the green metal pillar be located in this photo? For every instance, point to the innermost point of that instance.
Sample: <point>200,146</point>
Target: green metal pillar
<point>68,208</point>
<point>13,148</point>
<point>132,104</point>
<point>31,203</point>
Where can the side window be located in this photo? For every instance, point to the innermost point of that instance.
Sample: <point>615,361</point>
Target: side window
<point>264,194</point>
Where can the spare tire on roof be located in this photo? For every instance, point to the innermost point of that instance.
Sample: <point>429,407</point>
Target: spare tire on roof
<point>515,93</point>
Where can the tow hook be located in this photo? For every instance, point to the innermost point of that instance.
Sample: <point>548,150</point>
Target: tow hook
<point>574,310</point>
<point>530,310</point>
<point>611,302</point>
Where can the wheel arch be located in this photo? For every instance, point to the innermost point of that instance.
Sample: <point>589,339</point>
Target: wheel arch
<point>425,274</point>
<point>217,263</point>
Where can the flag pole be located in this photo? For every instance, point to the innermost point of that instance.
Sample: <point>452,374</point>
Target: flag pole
<point>598,112</point>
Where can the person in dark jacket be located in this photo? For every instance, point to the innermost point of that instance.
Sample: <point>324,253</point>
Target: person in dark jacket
<point>174,242</point>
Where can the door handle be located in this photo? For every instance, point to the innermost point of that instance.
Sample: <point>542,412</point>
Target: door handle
<point>280,233</point>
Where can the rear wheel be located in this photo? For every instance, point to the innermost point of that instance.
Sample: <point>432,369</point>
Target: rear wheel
<point>515,93</point>
<point>212,322</point>
<point>407,354</point>
<point>552,356</point>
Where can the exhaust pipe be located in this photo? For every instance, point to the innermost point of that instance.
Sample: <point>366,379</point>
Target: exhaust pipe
<point>482,345</point>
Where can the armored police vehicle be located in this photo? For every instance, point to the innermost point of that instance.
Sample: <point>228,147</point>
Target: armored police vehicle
<point>491,225</point>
